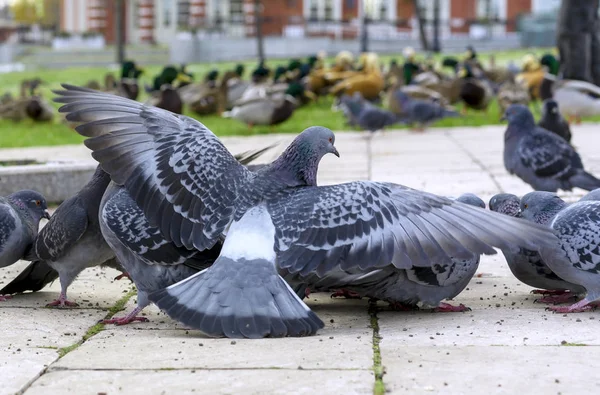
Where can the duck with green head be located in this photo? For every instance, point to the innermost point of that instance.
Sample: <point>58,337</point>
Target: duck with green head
<point>410,67</point>
<point>128,86</point>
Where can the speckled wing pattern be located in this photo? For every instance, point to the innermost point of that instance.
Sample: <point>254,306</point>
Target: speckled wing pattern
<point>177,171</point>
<point>7,223</point>
<point>579,230</point>
<point>127,221</point>
<point>548,155</point>
<point>443,274</point>
<point>369,224</point>
<point>62,231</point>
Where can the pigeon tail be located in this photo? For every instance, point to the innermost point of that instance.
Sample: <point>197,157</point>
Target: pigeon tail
<point>35,277</point>
<point>585,180</point>
<point>450,114</point>
<point>238,299</point>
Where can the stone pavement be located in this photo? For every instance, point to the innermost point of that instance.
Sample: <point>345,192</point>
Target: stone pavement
<point>506,344</point>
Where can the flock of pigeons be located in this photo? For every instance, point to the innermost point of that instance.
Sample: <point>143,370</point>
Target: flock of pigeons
<point>232,248</point>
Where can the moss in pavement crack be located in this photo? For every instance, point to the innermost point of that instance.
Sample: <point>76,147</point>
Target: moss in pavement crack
<point>99,327</point>
<point>379,387</point>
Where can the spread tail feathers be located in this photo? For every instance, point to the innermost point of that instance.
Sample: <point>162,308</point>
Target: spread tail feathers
<point>238,298</point>
<point>585,180</point>
<point>35,277</point>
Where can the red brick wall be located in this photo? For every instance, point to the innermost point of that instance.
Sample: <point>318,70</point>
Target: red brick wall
<point>465,10</point>
<point>513,9</point>
<point>276,15</point>
<point>405,10</point>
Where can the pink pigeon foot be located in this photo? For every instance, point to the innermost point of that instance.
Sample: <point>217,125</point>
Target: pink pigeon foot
<point>579,307</point>
<point>549,291</point>
<point>129,318</point>
<point>566,297</point>
<point>307,292</point>
<point>448,308</point>
<point>122,276</point>
<point>344,293</point>
<point>399,306</point>
<point>62,302</point>
<point>4,298</point>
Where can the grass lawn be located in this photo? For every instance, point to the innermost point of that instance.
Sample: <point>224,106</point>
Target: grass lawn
<point>26,134</point>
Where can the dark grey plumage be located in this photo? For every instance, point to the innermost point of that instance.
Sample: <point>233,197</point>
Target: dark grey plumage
<point>20,215</point>
<point>421,112</point>
<point>578,229</point>
<point>539,157</point>
<point>71,241</point>
<point>525,264</point>
<point>359,112</point>
<point>553,121</point>
<point>192,189</point>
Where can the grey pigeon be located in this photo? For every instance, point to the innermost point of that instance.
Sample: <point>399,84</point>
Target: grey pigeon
<point>592,195</point>
<point>151,262</point>
<point>527,265</point>
<point>421,112</point>
<point>361,113</point>
<point>539,157</point>
<point>578,229</point>
<point>20,215</point>
<point>191,188</point>
<point>553,121</point>
<point>71,241</point>
<point>402,288</point>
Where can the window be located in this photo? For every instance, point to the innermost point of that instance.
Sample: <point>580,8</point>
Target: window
<point>236,10</point>
<point>183,13</point>
<point>328,10</point>
<point>167,10</point>
<point>314,10</point>
<point>383,10</point>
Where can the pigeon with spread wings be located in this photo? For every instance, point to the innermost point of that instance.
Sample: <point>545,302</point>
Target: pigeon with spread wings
<point>191,188</point>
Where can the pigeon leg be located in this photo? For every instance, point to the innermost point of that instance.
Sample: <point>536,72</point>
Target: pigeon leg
<point>62,302</point>
<point>122,276</point>
<point>129,318</point>
<point>546,292</point>
<point>307,292</point>
<point>4,298</point>
<point>581,306</point>
<point>345,293</point>
<point>400,306</point>
<point>565,297</point>
<point>448,308</point>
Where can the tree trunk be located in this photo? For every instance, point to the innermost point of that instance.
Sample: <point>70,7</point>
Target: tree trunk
<point>422,33</point>
<point>578,40</point>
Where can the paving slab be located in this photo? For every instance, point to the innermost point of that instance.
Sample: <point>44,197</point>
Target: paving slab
<point>265,381</point>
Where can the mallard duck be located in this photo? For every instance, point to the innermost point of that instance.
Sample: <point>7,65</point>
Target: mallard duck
<point>128,86</point>
<point>550,61</point>
<point>451,63</point>
<point>214,99</point>
<point>475,92</point>
<point>497,75</point>
<point>169,99</point>
<point>169,75</point>
<point>264,110</point>
<point>6,98</point>
<point>532,76</point>
<point>369,82</point>
<point>236,86</point>
<point>576,99</point>
<point>410,68</point>
<point>511,93</point>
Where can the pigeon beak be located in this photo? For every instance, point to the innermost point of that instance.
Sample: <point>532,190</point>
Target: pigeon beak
<point>335,151</point>
<point>46,215</point>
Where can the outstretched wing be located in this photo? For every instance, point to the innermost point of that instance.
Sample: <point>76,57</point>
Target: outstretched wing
<point>174,167</point>
<point>548,155</point>
<point>368,224</point>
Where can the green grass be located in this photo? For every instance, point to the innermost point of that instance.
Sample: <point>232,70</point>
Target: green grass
<point>27,134</point>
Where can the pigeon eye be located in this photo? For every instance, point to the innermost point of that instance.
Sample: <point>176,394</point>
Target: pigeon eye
<point>331,139</point>
<point>525,206</point>
<point>38,202</point>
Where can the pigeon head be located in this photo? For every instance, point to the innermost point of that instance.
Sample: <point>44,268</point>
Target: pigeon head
<point>591,196</point>
<point>471,199</point>
<point>31,202</point>
<point>541,207</point>
<point>301,159</point>
<point>550,108</point>
<point>518,114</point>
<point>505,203</point>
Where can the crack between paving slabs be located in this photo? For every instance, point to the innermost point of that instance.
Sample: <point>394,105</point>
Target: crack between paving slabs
<point>91,332</point>
<point>475,160</point>
<point>378,370</point>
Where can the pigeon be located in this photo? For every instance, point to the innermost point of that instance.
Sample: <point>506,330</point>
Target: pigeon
<point>553,121</point>
<point>151,262</point>
<point>592,195</point>
<point>194,191</point>
<point>71,241</point>
<point>421,112</point>
<point>539,157</point>
<point>578,229</point>
<point>20,216</point>
<point>528,266</point>
<point>402,288</point>
<point>359,112</point>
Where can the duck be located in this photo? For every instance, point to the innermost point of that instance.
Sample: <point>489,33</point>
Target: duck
<point>550,61</point>
<point>193,93</point>
<point>169,99</point>
<point>497,75</point>
<point>236,86</point>
<point>30,105</point>
<point>475,92</point>
<point>510,92</point>
<point>128,86</point>
<point>213,100</point>
<point>368,82</point>
<point>532,76</point>
<point>266,110</point>
<point>576,99</point>
<point>410,68</point>
<point>169,75</point>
